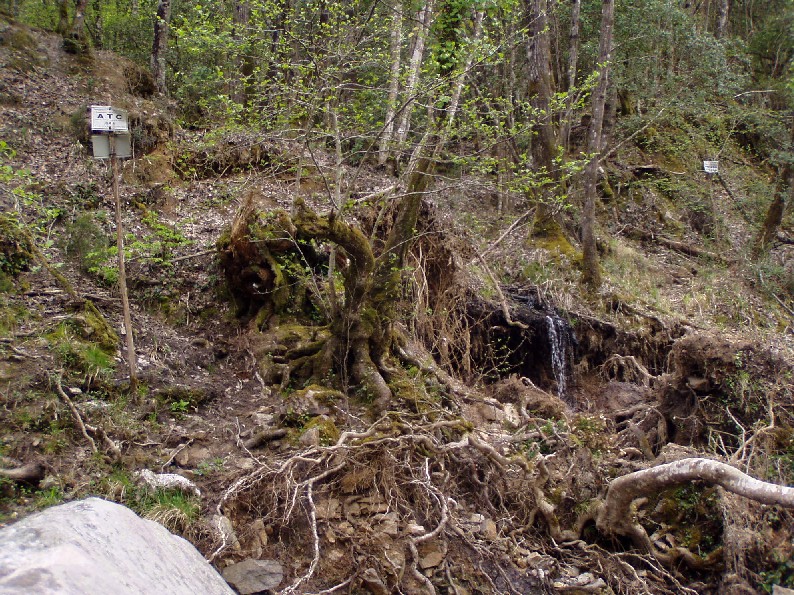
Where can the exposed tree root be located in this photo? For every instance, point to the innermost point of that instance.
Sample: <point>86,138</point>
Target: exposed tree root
<point>626,494</point>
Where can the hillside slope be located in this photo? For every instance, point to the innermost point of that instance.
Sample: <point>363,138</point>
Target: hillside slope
<point>517,397</point>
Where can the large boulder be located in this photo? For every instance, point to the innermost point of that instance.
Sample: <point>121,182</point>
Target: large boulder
<point>96,546</point>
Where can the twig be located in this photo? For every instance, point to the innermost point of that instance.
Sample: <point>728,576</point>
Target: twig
<point>507,232</point>
<point>196,255</point>
<point>175,452</point>
<point>75,413</point>
<point>110,446</point>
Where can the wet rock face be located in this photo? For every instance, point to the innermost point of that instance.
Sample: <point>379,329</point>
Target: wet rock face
<point>96,546</point>
<point>537,343</point>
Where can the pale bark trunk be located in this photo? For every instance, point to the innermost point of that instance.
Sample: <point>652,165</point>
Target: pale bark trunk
<point>415,66</point>
<point>394,82</point>
<point>76,40</point>
<point>160,44</point>
<point>616,517</point>
<point>591,273</point>
<point>573,58</point>
<point>723,13</point>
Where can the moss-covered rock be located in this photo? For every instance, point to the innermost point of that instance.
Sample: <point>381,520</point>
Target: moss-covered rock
<point>98,329</point>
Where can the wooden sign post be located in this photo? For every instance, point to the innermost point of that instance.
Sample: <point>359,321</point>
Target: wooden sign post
<point>111,124</point>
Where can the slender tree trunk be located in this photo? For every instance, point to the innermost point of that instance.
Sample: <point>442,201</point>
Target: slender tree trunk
<point>774,216</point>
<point>591,273</point>
<point>63,18</point>
<point>723,13</point>
<point>244,59</point>
<point>544,145</point>
<point>573,57</point>
<point>414,68</point>
<point>76,40</point>
<point>394,82</point>
<point>97,33</point>
<point>160,45</point>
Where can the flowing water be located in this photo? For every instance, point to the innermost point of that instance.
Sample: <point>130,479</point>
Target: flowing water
<point>560,334</point>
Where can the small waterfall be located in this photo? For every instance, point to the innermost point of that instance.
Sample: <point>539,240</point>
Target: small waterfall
<point>560,348</point>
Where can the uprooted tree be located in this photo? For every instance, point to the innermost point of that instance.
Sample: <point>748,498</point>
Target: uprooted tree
<point>262,253</point>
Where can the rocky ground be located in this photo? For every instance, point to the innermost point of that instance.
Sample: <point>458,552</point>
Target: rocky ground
<point>484,481</point>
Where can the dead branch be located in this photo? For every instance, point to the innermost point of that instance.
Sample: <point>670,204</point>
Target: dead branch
<point>265,436</point>
<point>111,448</point>
<point>175,452</point>
<point>31,473</point>
<point>502,299</point>
<point>687,249</point>
<point>195,255</point>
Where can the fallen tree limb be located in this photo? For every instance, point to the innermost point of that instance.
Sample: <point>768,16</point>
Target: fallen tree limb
<point>32,473</point>
<point>689,250</point>
<point>265,436</point>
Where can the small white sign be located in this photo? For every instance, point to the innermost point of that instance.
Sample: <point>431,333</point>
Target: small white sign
<point>105,118</point>
<point>711,167</point>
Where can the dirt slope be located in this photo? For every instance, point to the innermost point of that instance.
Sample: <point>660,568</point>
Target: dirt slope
<point>478,488</point>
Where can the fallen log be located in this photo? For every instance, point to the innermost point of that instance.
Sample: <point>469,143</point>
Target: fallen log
<point>689,250</point>
<point>30,474</point>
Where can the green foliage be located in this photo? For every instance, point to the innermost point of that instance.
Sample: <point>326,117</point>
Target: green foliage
<point>87,242</point>
<point>15,247</point>
<point>209,467</point>
<point>80,355</point>
<point>782,574</point>
<point>158,247</point>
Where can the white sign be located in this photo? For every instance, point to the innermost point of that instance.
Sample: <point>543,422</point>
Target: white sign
<point>108,119</point>
<point>711,167</point>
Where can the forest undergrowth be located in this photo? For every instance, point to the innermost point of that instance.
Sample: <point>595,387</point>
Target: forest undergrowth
<point>465,417</point>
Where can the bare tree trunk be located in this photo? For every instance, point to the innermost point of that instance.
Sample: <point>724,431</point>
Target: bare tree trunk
<point>723,13</point>
<point>573,57</point>
<point>76,40</point>
<point>774,215</point>
<point>244,60</point>
<point>160,44</point>
<point>544,145</point>
<point>591,273</point>
<point>415,66</point>
<point>394,82</point>
<point>63,18</point>
<point>97,33</point>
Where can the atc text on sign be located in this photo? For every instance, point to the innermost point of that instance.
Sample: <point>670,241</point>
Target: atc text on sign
<point>105,118</point>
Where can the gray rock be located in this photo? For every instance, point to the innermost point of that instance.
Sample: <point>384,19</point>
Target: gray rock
<point>252,576</point>
<point>95,546</point>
